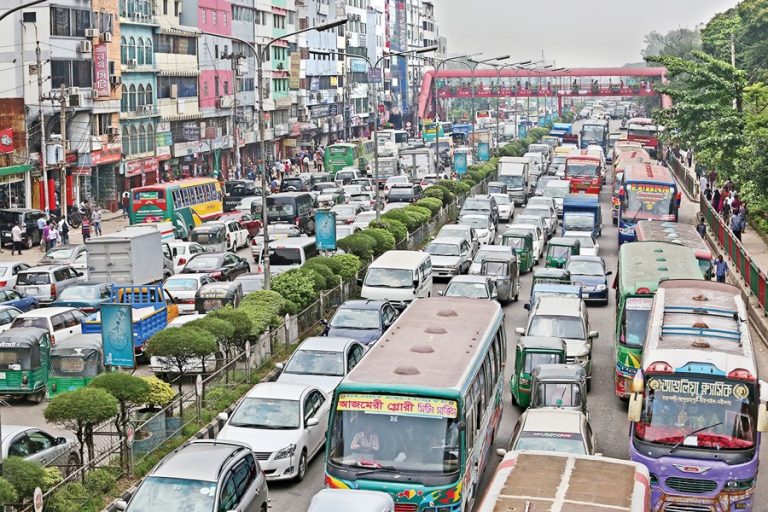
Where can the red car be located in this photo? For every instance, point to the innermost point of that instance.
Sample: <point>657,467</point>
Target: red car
<point>246,220</point>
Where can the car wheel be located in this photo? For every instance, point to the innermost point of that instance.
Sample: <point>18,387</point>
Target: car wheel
<point>28,243</point>
<point>301,472</point>
<point>73,462</point>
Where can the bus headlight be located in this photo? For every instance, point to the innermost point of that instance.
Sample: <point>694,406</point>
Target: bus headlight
<point>740,485</point>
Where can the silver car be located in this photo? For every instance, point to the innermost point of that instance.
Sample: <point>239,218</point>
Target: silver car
<point>36,445</point>
<point>46,282</point>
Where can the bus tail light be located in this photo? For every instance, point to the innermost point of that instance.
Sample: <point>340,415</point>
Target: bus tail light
<point>643,291</point>
<point>3,284</point>
<point>659,367</point>
<point>741,374</point>
<point>182,261</point>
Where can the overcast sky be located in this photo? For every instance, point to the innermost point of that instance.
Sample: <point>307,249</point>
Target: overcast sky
<point>572,33</point>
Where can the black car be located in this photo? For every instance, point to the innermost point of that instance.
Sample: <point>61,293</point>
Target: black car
<point>361,320</point>
<point>235,190</point>
<point>28,221</point>
<point>222,266</point>
<point>293,184</point>
<point>402,193</point>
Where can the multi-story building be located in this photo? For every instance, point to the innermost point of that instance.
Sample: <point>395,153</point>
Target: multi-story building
<point>245,16</point>
<point>356,72</point>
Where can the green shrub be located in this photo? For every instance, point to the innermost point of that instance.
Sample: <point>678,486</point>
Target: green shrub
<point>51,477</point>
<point>350,264</point>
<point>358,244</point>
<point>396,228</point>
<point>416,216</point>
<point>23,475</point>
<point>270,297</point>
<point>401,216</point>
<point>100,481</point>
<point>71,497</point>
<point>265,308</point>
<point>385,241</point>
<point>476,176</point>
<point>433,204</point>
<point>424,212</point>
<point>296,287</point>
<point>440,193</point>
<point>8,495</point>
<point>319,280</point>
<point>240,322</point>
<point>329,262</point>
<point>331,279</point>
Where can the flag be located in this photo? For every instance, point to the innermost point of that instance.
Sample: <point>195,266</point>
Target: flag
<point>6,140</point>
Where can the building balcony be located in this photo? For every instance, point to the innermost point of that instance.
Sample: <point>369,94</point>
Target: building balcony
<point>132,66</point>
<point>139,18</point>
<point>141,112</point>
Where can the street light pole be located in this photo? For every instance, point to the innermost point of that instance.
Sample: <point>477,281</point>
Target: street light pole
<point>260,57</point>
<point>498,68</point>
<point>473,67</point>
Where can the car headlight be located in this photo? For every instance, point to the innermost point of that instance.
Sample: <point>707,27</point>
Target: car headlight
<point>288,451</point>
<point>600,288</point>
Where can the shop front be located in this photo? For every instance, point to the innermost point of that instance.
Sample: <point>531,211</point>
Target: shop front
<point>100,183</point>
<point>15,186</point>
<point>140,172</point>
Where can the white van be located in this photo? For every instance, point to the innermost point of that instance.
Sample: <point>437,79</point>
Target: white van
<point>514,171</point>
<point>287,253</point>
<point>398,276</point>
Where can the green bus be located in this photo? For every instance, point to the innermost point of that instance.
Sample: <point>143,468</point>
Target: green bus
<point>636,284</point>
<point>417,416</point>
<point>356,153</point>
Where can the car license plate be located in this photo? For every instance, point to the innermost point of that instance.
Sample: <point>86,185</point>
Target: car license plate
<point>33,289</point>
<point>211,304</point>
<point>2,375</point>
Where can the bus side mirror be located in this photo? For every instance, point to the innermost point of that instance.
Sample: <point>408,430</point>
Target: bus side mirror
<point>762,417</point>
<point>635,407</point>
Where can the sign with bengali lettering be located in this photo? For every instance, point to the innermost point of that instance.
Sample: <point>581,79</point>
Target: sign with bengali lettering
<point>399,405</point>
<point>101,70</point>
<point>294,82</point>
<point>698,391</point>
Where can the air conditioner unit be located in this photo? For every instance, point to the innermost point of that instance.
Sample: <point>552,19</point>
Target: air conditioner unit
<point>91,32</point>
<point>174,91</point>
<point>85,47</point>
<point>115,80</point>
<point>106,37</point>
<point>226,102</point>
<point>73,90</point>
<point>132,63</point>
<point>94,94</point>
<point>113,131</point>
<point>280,66</point>
<point>75,100</point>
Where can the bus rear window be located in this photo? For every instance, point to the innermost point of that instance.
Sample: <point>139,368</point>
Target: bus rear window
<point>148,195</point>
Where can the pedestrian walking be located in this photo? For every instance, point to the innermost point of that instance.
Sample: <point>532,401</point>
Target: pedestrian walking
<point>42,223</point>
<point>96,221</point>
<point>16,238</point>
<point>53,236</point>
<point>44,242</point>
<point>703,184</point>
<point>736,225</point>
<point>701,227</point>
<point>712,178</point>
<point>708,193</point>
<point>305,162</point>
<point>86,228</point>
<point>126,200</point>
<point>64,231</point>
<point>721,269</point>
<point>716,199</point>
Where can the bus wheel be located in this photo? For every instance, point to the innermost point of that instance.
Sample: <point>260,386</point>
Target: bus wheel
<point>36,398</point>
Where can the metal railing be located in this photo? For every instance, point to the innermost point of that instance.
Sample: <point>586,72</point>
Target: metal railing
<point>686,180</point>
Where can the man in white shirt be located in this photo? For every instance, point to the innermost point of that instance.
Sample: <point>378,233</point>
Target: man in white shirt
<point>16,238</point>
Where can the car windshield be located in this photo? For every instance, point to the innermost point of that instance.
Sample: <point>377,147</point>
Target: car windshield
<point>557,327</point>
<point>203,263</point>
<point>514,242</point>
<point>578,221</point>
<point>266,413</point>
<point>316,362</point>
<point>62,253</point>
<point>401,191</point>
<point>285,256</point>
<point>181,284</point>
<point>459,232</point>
<point>348,318</point>
<point>80,292</point>
<point>33,278</point>
<point>558,394</point>
<point>207,237</point>
<point>277,207</point>
<point>475,222</point>
<point>534,359</point>
<point>473,290</point>
<point>389,278</point>
<point>584,241</point>
<point>536,212</point>
<point>495,268</point>
<point>174,495</point>
<point>645,201</point>
<point>558,251</point>
<point>573,169</point>
<point>512,181</point>
<point>475,204</point>
<point>30,322</point>
<point>555,190</point>
<point>697,412</point>
<point>502,199</point>
<point>560,442</point>
<point>344,211</point>
<point>324,186</point>
<point>586,268</point>
<point>251,283</point>
<point>637,312</point>
<point>423,442</point>
<point>438,249</point>
<point>360,198</point>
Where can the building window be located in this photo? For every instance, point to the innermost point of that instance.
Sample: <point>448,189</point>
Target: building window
<point>205,90</point>
<point>123,51</point>
<point>150,138</point>
<point>124,99</point>
<point>180,45</point>
<point>140,51</point>
<point>202,17</point>
<point>224,18</point>
<point>213,17</point>
<point>149,98</point>
<point>70,73</point>
<point>69,22</point>
<point>142,139</point>
<point>126,141</point>
<point>140,96</point>
<point>216,87</point>
<point>148,50</point>
<point>185,86</point>
<point>132,98</point>
<point>134,139</point>
<point>226,87</point>
<point>100,124</point>
<point>131,48</point>
<point>278,21</point>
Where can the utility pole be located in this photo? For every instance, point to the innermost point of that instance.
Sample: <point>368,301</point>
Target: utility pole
<point>43,148</point>
<point>733,63</point>
<point>63,129</point>
<point>347,93</point>
<point>235,60</point>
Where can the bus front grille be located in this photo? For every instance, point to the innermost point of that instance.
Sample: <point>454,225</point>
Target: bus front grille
<point>687,507</point>
<point>691,485</point>
<point>406,507</point>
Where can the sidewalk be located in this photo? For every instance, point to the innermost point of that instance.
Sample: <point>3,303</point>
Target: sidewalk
<point>752,242</point>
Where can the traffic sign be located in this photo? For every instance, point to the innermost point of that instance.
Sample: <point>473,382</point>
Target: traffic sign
<point>37,499</point>
<point>130,435</point>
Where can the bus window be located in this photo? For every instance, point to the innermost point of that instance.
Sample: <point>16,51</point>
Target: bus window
<point>186,199</point>
<point>176,197</point>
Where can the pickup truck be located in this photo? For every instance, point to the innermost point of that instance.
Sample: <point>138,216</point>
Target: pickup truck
<point>152,311</point>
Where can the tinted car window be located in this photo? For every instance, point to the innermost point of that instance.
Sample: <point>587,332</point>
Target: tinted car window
<point>34,278</point>
<point>59,322</point>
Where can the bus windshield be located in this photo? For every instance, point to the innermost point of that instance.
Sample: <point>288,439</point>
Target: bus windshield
<point>698,412</point>
<point>637,311</point>
<point>592,132</point>
<point>647,200</point>
<point>425,440</point>
<point>581,169</point>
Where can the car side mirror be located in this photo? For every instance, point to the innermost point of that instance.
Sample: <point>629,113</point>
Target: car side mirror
<point>312,422</point>
<point>415,283</point>
<point>61,440</point>
<point>440,292</point>
<point>527,307</point>
<point>520,331</point>
<point>609,273</point>
<point>280,366</point>
<point>359,281</point>
<point>593,334</point>
<point>324,321</point>
<point>223,416</point>
<point>121,504</point>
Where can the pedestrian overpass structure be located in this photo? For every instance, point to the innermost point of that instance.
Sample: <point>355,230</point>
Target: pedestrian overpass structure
<point>537,84</point>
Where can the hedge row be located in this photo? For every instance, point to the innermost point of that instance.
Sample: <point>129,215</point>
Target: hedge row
<point>301,286</point>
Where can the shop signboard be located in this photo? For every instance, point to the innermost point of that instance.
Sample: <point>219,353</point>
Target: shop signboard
<point>142,166</point>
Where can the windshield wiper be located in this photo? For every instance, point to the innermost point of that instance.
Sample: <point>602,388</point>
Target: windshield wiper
<point>256,425</point>
<point>677,445</point>
<point>388,469</point>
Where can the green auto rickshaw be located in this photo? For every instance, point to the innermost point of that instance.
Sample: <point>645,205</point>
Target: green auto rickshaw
<point>503,270</point>
<point>560,248</point>
<point>24,362</point>
<point>530,352</point>
<point>522,242</point>
<point>75,362</point>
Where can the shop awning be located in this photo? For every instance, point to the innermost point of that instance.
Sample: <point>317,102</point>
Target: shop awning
<point>15,169</point>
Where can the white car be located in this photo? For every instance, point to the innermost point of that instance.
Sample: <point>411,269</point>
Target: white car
<point>237,235</point>
<point>81,263</point>
<point>182,251</point>
<point>344,230</point>
<point>322,362</point>
<point>182,289</point>
<point>284,424</point>
<point>486,230</point>
<point>8,272</point>
<point>7,315</point>
<point>244,205</point>
<point>395,180</point>
<point>451,256</point>
<point>506,207</point>
<point>468,233</point>
<point>536,220</point>
<point>364,219</point>
<point>588,246</point>
<point>350,190</point>
<point>486,251</point>
<point>538,235</point>
<point>61,322</point>
<point>365,200</point>
<point>545,212</point>
<point>346,213</point>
